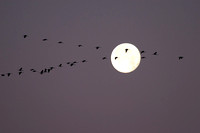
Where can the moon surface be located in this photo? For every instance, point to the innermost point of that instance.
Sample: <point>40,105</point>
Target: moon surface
<point>125,57</point>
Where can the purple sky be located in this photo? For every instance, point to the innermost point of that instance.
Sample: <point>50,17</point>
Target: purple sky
<point>160,96</point>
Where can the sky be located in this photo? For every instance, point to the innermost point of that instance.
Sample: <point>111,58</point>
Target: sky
<point>160,96</point>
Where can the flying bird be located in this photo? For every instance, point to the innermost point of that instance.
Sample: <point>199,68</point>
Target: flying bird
<point>126,50</point>
<point>33,70</point>
<point>116,58</point>
<point>60,42</point>
<point>51,68</point>
<point>180,57</point>
<point>97,47</point>
<point>84,61</point>
<point>80,45</point>
<point>71,64</point>
<point>8,74</point>
<point>143,57</point>
<point>60,65</point>
<point>75,62</point>
<point>68,62</point>
<point>42,72</point>
<point>20,73</point>
<point>48,70</point>
<point>2,75</point>
<point>45,70</point>
<point>21,69</point>
<point>155,53</point>
<point>25,36</point>
<point>104,58</point>
<point>142,52</point>
<point>44,39</point>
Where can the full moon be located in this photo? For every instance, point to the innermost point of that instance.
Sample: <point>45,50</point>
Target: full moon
<point>125,57</point>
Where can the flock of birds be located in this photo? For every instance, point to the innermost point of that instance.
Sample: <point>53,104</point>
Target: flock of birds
<point>49,69</point>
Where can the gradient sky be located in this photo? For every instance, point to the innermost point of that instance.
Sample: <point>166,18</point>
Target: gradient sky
<point>160,96</point>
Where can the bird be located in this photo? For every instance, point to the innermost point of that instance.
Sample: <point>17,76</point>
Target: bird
<point>21,69</point>
<point>60,42</point>
<point>155,53</point>
<point>20,73</point>
<point>97,47</point>
<point>51,68</point>
<point>143,57</point>
<point>60,65</point>
<point>25,36</point>
<point>44,39</point>
<point>116,58</point>
<point>48,70</point>
<point>180,57</point>
<point>71,64</point>
<point>45,70</point>
<point>84,61</point>
<point>75,62</point>
<point>126,50</point>
<point>33,70</point>
<point>142,52</point>
<point>42,72</point>
<point>68,62</point>
<point>104,58</point>
<point>2,75</point>
<point>80,45</point>
<point>8,74</point>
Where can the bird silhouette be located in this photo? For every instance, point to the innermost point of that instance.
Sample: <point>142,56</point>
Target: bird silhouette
<point>71,64</point>
<point>8,74</point>
<point>48,70</point>
<point>33,70</point>
<point>44,39</point>
<point>20,73</point>
<point>142,52</point>
<point>180,57</point>
<point>84,61</point>
<point>155,53</point>
<point>104,58</point>
<point>80,45</point>
<point>116,58</point>
<point>97,47</point>
<point>45,70</point>
<point>75,62</point>
<point>51,68</point>
<point>68,62</point>
<point>60,65</point>
<point>41,72</point>
<point>60,42</point>
<point>126,50</point>
<point>143,57</point>
<point>21,69</point>
<point>25,36</point>
<point>2,75</point>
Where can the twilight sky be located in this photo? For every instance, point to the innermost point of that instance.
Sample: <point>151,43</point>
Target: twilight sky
<point>160,96</point>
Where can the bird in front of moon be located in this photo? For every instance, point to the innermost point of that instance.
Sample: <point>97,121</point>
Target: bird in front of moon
<point>125,57</point>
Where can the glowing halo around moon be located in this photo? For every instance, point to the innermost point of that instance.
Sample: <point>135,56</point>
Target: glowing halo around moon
<point>125,57</point>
